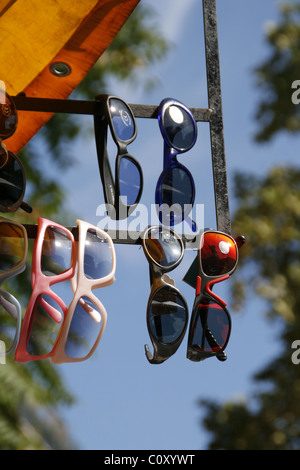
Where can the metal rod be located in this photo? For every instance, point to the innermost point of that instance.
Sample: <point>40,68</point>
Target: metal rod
<point>216,118</point>
<point>118,236</point>
<point>49,105</point>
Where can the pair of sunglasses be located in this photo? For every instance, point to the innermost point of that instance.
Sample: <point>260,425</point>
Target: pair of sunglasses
<point>13,253</point>
<point>210,325</point>
<point>122,193</point>
<point>167,310</point>
<point>12,174</point>
<point>175,189</point>
<point>50,329</point>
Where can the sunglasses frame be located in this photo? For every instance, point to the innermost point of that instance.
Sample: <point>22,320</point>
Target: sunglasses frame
<point>41,285</point>
<point>204,286</point>
<point>12,300</point>
<point>15,112</point>
<point>82,287</point>
<point>116,209</point>
<point>18,269</point>
<point>170,162</point>
<point>19,203</point>
<point>160,280</point>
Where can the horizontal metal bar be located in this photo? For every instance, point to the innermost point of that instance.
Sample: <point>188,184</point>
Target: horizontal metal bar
<point>49,105</point>
<point>118,236</point>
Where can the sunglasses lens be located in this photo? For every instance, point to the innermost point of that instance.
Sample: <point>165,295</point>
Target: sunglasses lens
<point>84,328</point>
<point>163,247</point>
<point>218,254</point>
<point>8,115</point>
<point>129,181</point>
<point>98,257</point>
<point>8,321</point>
<point>211,327</point>
<point>122,119</point>
<point>56,251</point>
<point>44,329</point>
<point>176,192</point>
<point>12,246</point>
<point>179,127</point>
<point>11,181</point>
<point>167,315</point>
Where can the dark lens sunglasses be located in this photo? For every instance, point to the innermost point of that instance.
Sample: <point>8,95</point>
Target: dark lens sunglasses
<point>175,189</point>
<point>167,310</point>
<point>210,325</point>
<point>12,183</point>
<point>122,193</point>
<point>12,174</point>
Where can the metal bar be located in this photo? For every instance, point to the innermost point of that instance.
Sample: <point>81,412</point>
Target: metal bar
<point>118,236</point>
<point>49,105</point>
<point>216,118</point>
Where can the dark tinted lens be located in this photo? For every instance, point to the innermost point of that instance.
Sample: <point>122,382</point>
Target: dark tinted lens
<point>129,181</point>
<point>122,119</point>
<point>56,251</point>
<point>179,127</point>
<point>163,247</point>
<point>218,254</point>
<point>167,315</point>
<point>8,321</point>
<point>84,328</point>
<point>12,246</point>
<point>98,257</point>
<point>11,181</point>
<point>8,115</point>
<point>211,327</point>
<point>44,329</point>
<point>177,190</point>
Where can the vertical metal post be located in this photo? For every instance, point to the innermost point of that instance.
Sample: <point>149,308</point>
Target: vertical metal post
<point>216,119</point>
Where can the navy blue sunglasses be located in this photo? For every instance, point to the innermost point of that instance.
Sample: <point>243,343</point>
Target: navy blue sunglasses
<point>175,189</point>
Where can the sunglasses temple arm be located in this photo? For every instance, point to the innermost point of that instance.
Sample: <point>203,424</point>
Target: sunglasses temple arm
<point>149,356</point>
<point>26,207</point>
<point>100,126</point>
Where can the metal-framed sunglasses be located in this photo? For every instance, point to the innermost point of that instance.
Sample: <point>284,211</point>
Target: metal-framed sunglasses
<point>175,189</point>
<point>122,192</point>
<point>210,325</point>
<point>167,310</point>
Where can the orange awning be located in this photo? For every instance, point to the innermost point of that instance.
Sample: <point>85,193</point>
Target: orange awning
<point>36,35</point>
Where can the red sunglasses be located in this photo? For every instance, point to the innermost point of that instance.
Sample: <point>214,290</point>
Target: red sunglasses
<point>210,325</point>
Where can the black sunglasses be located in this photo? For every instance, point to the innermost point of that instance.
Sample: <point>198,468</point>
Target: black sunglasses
<point>122,193</point>
<point>12,173</point>
<point>167,310</point>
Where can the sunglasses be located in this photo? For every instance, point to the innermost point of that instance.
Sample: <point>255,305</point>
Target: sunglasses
<point>53,261</point>
<point>85,322</point>
<point>12,174</point>
<point>122,193</point>
<point>175,189</point>
<point>210,325</point>
<point>167,310</point>
<point>13,253</point>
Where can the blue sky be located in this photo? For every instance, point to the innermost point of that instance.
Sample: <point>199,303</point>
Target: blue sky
<point>123,402</point>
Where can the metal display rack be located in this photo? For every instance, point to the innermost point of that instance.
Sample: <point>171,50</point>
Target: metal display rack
<point>213,115</point>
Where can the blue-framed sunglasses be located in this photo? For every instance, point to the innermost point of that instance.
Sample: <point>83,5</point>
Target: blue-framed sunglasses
<point>175,189</point>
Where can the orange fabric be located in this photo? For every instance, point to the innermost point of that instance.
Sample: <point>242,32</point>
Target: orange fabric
<point>53,31</point>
